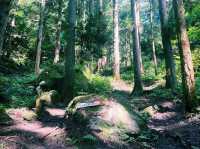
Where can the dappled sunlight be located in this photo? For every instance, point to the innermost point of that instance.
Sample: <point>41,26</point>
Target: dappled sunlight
<point>113,74</point>
<point>154,86</point>
<point>121,86</point>
<point>116,114</point>
<point>47,129</point>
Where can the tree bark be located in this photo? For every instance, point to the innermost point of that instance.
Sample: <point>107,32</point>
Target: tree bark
<point>40,37</point>
<point>91,7</point>
<point>68,89</point>
<point>188,79</point>
<point>116,64</point>
<point>152,38</point>
<point>165,32</point>
<point>100,21</point>
<point>139,34</point>
<point>138,85</point>
<point>58,31</point>
<point>4,13</point>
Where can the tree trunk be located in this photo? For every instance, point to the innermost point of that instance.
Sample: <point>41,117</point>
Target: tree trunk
<point>152,38</point>
<point>100,19</point>
<point>126,50</point>
<point>4,13</point>
<point>91,7</point>
<point>116,67</point>
<point>68,89</point>
<point>165,32</point>
<point>188,79</point>
<point>40,37</point>
<point>58,42</point>
<point>138,86</point>
<point>139,34</point>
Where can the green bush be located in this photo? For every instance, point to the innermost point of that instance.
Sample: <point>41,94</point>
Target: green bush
<point>198,87</point>
<point>99,84</point>
<point>196,59</point>
<point>85,80</point>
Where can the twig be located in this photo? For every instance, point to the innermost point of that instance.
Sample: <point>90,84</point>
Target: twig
<point>49,133</point>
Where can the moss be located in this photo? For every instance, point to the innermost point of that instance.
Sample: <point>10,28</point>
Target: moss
<point>71,108</point>
<point>29,116</point>
<point>47,98</point>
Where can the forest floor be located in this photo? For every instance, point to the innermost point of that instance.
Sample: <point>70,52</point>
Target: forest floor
<point>167,127</point>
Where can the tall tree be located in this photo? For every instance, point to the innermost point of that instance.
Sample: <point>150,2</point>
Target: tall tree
<point>139,34</point>
<point>138,85</point>
<point>151,3</point>
<point>58,31</point>
<point>99,25</point>
<point>40,37</point>
<point>116,67</point>
<point>4,13</point>
<point>188,79</point>
<point>68,89</point>
<point>91,7</point>
<point>165,32</point>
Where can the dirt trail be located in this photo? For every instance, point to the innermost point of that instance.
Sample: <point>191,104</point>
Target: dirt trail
<point>49,132</point>
<point>52,132</point>
<point>174,130</point>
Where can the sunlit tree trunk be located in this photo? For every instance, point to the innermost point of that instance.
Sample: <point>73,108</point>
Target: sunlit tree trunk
<point>40,37</point>
<point>152,38</point>
<point>139,34</point>
<point>188,79</point>
<point>4,13</point>
<point>68,89</point>
<point>58,31</point>
<point>128,51</point>
<point>138,86</point>
<point>116,63</point>
<point>169,61</point>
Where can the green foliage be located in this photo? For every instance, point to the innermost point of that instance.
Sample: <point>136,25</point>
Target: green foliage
<point>196,59</point>
<point>198,87</point>
<point>99,84</point>
<point>86,81</point>
<point>52,72</point>
<point>194,33</point>
<point>89,139</point>
<point>127,75</point>
<point>162,93</point>
<point>4,118</point>
<point>19,91</point>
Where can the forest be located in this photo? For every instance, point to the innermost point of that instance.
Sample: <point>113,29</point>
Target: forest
<point>99,74</point>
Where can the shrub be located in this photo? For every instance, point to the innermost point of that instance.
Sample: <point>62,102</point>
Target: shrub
<point>99,84</point>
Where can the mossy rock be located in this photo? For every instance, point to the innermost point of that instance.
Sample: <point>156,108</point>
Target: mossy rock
<point>71,108</point>
<point>55,71</point>
<point>52,78</point>
<point>29,116</point>
<point>51,98</point>
<point>151,110</point>
<point>110,118</point>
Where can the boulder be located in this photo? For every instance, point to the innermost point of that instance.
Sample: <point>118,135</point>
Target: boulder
<point>52,78</point>
<point>105,116</point>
